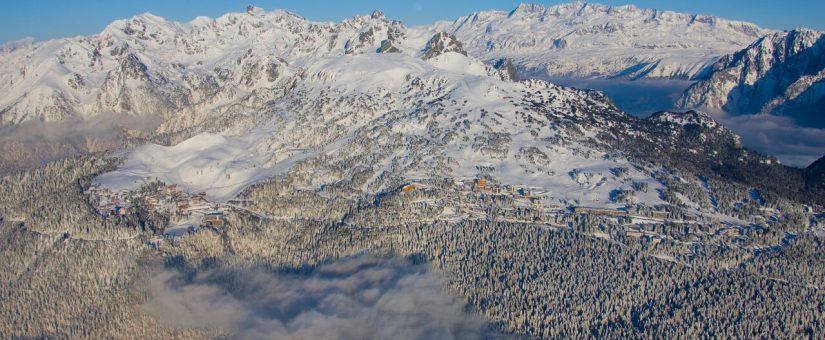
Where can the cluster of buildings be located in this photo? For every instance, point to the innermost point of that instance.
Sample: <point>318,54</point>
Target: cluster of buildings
<point>534,205</point>
<point>521,194</point>
<point>109,203</point>
<point>187,212</point>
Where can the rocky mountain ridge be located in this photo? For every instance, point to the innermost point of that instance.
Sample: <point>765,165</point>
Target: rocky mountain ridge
<point>781,74</point>
<point>148,65</point>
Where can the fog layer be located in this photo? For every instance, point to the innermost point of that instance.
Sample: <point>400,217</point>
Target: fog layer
<point>358,298</point>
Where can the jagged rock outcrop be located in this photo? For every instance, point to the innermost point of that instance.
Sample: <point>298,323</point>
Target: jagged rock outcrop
<point>441,43</point>
<point>507,69</point>
<point>781,74</point>
<point>395,36</point>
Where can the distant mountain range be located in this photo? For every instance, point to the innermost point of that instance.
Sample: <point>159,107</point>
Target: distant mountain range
<point>149,65</point>
<point>583,40</point>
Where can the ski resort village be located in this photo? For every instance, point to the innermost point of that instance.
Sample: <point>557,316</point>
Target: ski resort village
<point>186,213</point>
<point>620,217</point>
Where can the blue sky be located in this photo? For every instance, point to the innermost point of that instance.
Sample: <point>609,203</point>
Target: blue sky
<point>45,19</point>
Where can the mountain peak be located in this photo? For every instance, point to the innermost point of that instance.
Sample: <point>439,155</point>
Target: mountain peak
<point>377,14</point>
<point>524,8</point>
<point>140,24</point>
<point>149,17</point>
<point>441,43</point>
<point>253,10</point>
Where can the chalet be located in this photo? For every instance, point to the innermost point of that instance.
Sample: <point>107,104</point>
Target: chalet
<point>214,219</point>
<point>198,200</point>
<point>171,189</point>
<point>659,214</point>
<point>482,185</point>
<point>107,209</point>
<point>408,188</point>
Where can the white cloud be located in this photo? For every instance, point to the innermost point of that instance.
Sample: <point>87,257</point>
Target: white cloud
<point>356,298</point>
<point>792,144</point>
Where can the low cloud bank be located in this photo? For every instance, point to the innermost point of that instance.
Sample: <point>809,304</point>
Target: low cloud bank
<point>793,144</point>
<point>31,144</point>
<point>640,98</point>
<point>356,298</point>
<point>778,136</point>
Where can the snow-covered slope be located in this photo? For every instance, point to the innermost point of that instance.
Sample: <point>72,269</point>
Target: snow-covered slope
<point>782,74</point>
<point>580,39</point>
<point>385,116</point>
<point>379,119</point>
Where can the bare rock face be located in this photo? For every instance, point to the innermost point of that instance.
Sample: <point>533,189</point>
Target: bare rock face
<point>781,74</point>
<point>442,43</point>
<point>395,34</point>
<point>507,69</point>
<point>387,46</point>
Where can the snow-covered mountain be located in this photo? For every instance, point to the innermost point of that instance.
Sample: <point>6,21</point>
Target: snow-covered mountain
<point>781,74</point>
<point>580,39</point>
<point>266,148</point>
<point>382,117</point>
<point>251,95</point>
<point>147,65</point>
<point>377,119</point>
